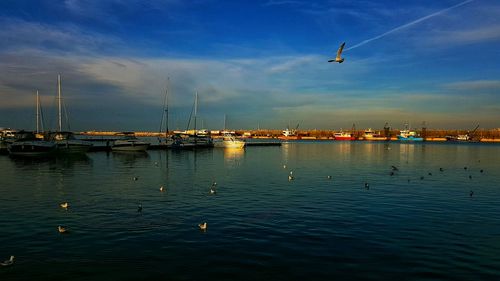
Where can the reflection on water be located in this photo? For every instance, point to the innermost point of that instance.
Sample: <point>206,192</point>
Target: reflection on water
<point>232,156</point>
<point>130,157</point>
<point>260,225</point>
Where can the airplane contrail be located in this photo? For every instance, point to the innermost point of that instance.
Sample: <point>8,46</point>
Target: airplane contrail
<point>407,25</point>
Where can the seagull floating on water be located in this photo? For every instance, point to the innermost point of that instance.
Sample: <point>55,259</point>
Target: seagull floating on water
<point>203,226</point>
<point>135,178</point>
<point>329,177</point>
<point>367,186</point>
<point>64,205</point>
<point>139,208</point>
<point>338,58</point>
<point>394,168</point>
<point>290,176</point>
<point>162,188</point>
<point>62,229</point>
<point>8,262</point>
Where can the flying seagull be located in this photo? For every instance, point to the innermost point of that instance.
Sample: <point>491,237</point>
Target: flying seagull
<point>339,52</point>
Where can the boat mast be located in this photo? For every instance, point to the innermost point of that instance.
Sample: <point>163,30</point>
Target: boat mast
<point>37,112</point>
<point>195,111</point>
<point>59,100</point>
<point>166,107</point>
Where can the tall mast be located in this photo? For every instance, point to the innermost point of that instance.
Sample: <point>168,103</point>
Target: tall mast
<point>37,112</point>
<point>59,100</point>
<point>195,110</point>
<point>166,107</point>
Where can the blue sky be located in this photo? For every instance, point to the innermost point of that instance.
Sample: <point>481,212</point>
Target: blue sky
<point>263,63</point>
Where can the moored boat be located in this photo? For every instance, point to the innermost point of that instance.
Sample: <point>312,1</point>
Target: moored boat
<point>290,134</point>
<point>28,145</point>
<point>230,141</point>
<point>7,136</point>
<point>343,136</point>
<point>67,143</point>
<point>129,143</point>
<point>409,135</point>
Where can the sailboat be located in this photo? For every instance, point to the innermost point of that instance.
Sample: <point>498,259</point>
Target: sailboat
<point>229,139</point>
<point>164,118</point>
<point>195,138</point>
<point>65,141</point>
<point>27,144</point>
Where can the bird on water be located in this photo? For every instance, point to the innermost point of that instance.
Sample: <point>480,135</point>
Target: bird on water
<point>62,229</point>
<point>338,58</point>
<point>203,226</point>
<point>8,262</point>
<point>64,205</point>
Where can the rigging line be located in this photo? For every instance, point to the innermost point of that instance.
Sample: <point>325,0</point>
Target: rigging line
<point>408,25</point>
<point>163,109</point>
<point>191,115</point>
<point>66,115</point>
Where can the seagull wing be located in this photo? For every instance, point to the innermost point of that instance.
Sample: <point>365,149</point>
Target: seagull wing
<point>339,51</point>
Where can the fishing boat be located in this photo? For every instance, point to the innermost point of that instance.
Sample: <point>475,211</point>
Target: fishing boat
<point>371,135</point>
<point>28,145</point>
<point>468,137</point>
<point>290,134</point>
<point>409,135</point>
<point>129,143</point>
<point>343,136</point>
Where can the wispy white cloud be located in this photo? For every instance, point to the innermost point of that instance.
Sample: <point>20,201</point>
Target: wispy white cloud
<point>18,34</point>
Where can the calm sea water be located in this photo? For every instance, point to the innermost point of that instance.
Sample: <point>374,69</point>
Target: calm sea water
<point>261,226</point>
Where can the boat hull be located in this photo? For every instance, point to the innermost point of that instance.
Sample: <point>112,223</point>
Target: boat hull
<point>31,148</point>
<point>289,138</point>
<point>344,138</point>
<point>230,144</point>
<point>410,138</point>
<point>73,147</point>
